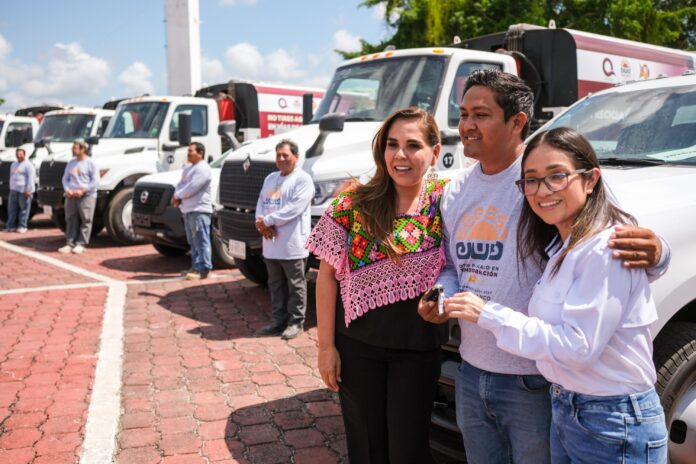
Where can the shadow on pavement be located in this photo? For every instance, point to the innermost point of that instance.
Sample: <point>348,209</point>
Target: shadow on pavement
<point>307,426</point>
<point>230,310</point>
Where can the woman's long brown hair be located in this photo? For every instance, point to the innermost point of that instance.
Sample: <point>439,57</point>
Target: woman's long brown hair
<point>534,235</point>
<point>376,199</point>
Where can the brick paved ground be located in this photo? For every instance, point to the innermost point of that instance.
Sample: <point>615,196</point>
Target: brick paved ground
<point>196,386</point>
<point>48,343</point>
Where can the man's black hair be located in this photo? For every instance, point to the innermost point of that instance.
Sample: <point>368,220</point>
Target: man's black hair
<point>511,93</point>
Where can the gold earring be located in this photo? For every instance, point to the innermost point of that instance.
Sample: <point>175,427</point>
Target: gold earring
<point>432,175</point>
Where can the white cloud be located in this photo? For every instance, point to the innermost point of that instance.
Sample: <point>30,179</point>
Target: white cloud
<point>212,71</point>
<point>379,11</point>
<point>70,71</point>
<point>345,41</point>
<point>236,2</point>
<point>282,64</point>
<point>5,48</point>
<point>245,60</point>
<point>136,79</point>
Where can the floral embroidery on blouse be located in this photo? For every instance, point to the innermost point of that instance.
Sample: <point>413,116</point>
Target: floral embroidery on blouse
<point>367,277</point>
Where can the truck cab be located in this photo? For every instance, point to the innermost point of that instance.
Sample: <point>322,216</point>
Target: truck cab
<point>142,138</point>
<point>644,134</point>
<point>55,134</point>
<point>258,110</point>
<point>336,146</point>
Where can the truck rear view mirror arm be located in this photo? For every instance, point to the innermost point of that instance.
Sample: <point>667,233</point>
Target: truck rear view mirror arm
<point>228,129</point>
<point>332,122</point>
<point>307,110</point>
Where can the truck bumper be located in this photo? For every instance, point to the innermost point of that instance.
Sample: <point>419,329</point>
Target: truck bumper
<point>166,228</point>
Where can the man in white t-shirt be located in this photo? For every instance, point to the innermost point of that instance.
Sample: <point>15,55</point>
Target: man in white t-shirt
<point>283,217</point>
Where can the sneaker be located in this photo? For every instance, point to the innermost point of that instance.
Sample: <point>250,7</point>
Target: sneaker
<point>195,275</point>
<point>21,230</point>
<point>271,329</point>
<point>291,331</point>
<point>65,249</point>
<point>78,249</point>
<point>188,271</point>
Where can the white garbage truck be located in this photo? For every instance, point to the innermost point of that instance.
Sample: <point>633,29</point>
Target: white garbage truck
<point>561,65</point>
<point>58,128</point>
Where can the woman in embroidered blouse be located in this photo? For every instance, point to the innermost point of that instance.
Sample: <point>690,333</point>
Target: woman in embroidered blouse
<point>589,319</point>
<point>380,250</point>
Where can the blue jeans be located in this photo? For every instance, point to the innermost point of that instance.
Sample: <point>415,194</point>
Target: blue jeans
<point>18,210</point>
<point>623,429</point>
<point>198,236</point>
<point>504,419</point>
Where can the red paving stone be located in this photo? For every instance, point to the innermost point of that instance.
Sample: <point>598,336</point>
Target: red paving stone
<point>197,386</point>
<point>27,272</point>
<point>48,346</point>
<point>212,390</point>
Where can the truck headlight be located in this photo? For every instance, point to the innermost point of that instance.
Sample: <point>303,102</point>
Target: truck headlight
<point>328,189</point>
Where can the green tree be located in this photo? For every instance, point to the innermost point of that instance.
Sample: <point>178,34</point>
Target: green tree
<point>419,23</point>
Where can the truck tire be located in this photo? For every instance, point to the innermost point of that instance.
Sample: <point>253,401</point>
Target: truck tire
<point>254,269</point>
<point>675,361</point>
<point>118,218</point>
<point>221,259</point>
<point>167,250</point>
<point>58,219</point>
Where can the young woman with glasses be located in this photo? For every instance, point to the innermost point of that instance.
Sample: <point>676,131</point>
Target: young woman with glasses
<point>589,319</point>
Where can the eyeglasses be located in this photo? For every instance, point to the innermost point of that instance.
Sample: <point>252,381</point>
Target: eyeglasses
<point>554,182</point>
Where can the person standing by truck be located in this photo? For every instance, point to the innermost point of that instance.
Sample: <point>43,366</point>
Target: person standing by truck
<point>380,246</point>
<point>283,219</point>
<point>80,182</point>
<point>511,415</point>
<point>588,328</point>
<point>22,180</point>
<point>193,196</point>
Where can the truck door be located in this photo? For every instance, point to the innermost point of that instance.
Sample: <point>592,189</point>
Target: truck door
<point>176,159</point>
<point>452,153</point>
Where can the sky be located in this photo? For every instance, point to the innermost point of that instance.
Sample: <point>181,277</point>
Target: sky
<point>86,52</point>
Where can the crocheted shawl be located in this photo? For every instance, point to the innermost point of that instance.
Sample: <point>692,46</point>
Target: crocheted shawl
<point>368,278</point>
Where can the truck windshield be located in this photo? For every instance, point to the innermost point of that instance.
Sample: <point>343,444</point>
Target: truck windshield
<point>65,127</point>
<point>372,90</point>
<point>140,120</point>
<point>650,125</point>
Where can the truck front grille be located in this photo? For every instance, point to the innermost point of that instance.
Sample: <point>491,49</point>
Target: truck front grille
<point>240,188</point>
<point>151,199</point>
<point>237,225</point>
<point>51,175</point>
<point>5,178</point>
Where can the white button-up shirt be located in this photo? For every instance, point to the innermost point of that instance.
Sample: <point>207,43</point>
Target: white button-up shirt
<point>588,327</point>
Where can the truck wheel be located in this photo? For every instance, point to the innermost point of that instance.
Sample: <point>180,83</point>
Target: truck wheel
<point>253,268</point>
<point>675,360</point>
<point>221,259</point>
<point>118,219</point>
<point>167,250</point>
<point>58,219</point>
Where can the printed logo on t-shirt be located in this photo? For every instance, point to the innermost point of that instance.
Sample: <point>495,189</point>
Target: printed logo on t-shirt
<point>479,244</point>
<point>271,202</point>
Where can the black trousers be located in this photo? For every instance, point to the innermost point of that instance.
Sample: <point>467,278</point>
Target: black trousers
<point>387,399</point>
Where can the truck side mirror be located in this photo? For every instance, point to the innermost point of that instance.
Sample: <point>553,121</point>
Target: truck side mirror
<point>332,122</point>
<point>184,135</point>
<point>307,110</point>
<point>92,140</point>
<point>228,129</point>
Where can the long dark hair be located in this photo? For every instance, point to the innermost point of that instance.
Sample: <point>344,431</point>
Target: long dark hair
<point>377,198</point>
<point>534,235</point>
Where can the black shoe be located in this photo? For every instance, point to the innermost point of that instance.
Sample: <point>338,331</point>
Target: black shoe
<point>291,331</point>
<point>271,329</point>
